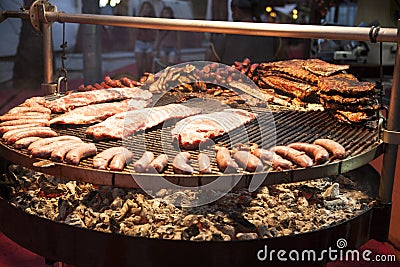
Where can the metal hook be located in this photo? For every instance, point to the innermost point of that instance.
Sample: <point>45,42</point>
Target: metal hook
<point>59,80</point>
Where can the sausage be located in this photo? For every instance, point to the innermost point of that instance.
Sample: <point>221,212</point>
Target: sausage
<point>263,154</point>
<point>119,161</point>
<point>276,161</point>
<point>180,163</point>
<point>101,160</point>
<point>45,151</point>
<point>10,133</point>
<point>224,161</point>
<point>4,129</point>
<point>295,156</point>
<point>248,161</point>
<point>158,164</point>
<point>58,154</point>
<point>204,163</point>
<point>47,141</point>
<point>337,150</point>
<point>25,142</point>
<point>19,110</point>
<point>38,131</point>
<point>127,82</point>
<point>319,153</point>
<point>27,115</point>
<point>41,122</point>
<point>75,155</point>
<point>143,162</point>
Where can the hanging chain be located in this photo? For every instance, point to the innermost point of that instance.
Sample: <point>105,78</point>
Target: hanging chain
<point>62,72</point>
<point>379,87</point>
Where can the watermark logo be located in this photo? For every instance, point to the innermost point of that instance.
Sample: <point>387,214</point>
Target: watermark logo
<point>330,254</point>
<point>201,74</point>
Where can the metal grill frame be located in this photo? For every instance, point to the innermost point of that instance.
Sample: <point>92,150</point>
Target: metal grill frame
<point>362,144</point>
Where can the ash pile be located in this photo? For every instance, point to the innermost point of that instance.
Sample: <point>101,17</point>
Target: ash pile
<point>272,211</point>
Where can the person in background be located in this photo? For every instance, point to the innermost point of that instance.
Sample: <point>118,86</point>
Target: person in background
<point>228,48</point>
<point>168,43</point>
<point>144,42</point>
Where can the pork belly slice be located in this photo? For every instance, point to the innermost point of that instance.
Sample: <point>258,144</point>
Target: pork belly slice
<point>98,112</point>
<point>354,117</point>
<point>320,67</point>
<point>128,123</point>
<point>302,91</point>
<point>195,130</point>
<point>346,100</point>
<point>293,67</point>
<point>345,85</point>
<point>80,99</point>
<point>370,105</point>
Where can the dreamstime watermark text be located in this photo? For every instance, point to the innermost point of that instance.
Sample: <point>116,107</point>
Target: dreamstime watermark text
<point>331,254</point>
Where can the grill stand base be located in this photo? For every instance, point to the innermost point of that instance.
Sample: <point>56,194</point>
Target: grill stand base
<point>380,221</point>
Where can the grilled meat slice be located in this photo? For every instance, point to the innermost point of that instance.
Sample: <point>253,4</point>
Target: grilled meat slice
<point>345,85</point>
<point>80,99</point>
<point>199,129</point>
<point>320,67</point>
<point>302,91</point>
<point>293,67</point>
<point>354,117</point>
<point>345,100</point>
<point>370,105</point>
<point>98,112</point>
<point>127,123</point>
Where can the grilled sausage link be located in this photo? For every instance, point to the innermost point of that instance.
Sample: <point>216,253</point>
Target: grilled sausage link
<point>41,122</point>
<point>4,129</point>
<point>204,163</point>
<point>338,151</point>
<point>248,161</point>
<point>46,141</point>
<point>25,142</point>
<point>319,153</point>
<point>119,161</point>
<point>272,158</point>
<point>158,164</point>
<point>45,151</point>
<point>224,161</point>
<point>75,155</point>
<point>11,133</point>
<point>24,116</point>
<point>101,160</point>
<point>58,154</point>
<point>143,162</point>
<point>295,156</point>
<point>32,132</point>
<point>180,163</point>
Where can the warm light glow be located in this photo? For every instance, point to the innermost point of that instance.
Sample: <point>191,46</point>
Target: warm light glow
<point>295,11</point>
<point>113,3</point>
<point>272,14</point>
<point>103,3</point>
<point>294,16</point>
<point>268,9</point>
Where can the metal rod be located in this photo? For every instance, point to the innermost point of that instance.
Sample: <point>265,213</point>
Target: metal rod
<point>15,14</point>
<point>393,124</point>
<point>47,56</point>
<point>245,28</point>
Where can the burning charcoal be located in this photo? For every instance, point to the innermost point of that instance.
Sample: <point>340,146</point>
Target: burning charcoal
<point>117,203</point>
<point>190,232</point>
<point>74,220</point>
<point>64,209</point>
<point>332,192</point>
<point>246,236</point>
<point>302,201</point>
